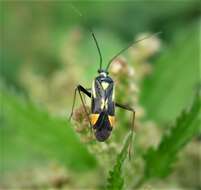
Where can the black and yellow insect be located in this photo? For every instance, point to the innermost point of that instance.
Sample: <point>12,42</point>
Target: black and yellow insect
<point>102,94</point>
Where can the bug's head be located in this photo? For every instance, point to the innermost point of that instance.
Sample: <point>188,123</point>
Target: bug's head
<point>103,73</point>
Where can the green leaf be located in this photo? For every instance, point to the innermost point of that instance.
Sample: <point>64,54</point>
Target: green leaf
<point>115,180</point>
<point>158,162</point>
<point>175,77</point>
<point>31,137</point>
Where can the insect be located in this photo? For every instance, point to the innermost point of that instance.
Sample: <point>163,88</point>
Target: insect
<point>102,94</point>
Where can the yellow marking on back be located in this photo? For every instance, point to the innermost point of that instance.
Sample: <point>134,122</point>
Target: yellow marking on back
<point>104,85</point>
<point>113,94</point>
<point>94,118</point>
<point>104,103</point>
<point>93,89</point>
<point>112,120</point>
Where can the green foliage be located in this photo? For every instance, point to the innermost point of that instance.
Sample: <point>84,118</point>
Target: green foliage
<point>31,137</point>
<point>158,162</point>
<point>176,73</point>
<point>115,180</point>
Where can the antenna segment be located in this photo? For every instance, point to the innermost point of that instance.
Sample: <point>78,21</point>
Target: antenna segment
<point>127,47</point>
<point>93,35</point>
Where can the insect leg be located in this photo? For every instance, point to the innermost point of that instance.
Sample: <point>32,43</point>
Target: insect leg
<point>88,89</point>
<point>125,107</point>
<point>82,89</point>
<point>74,99</point>
<point>85,91</point>
<point>85,109</point>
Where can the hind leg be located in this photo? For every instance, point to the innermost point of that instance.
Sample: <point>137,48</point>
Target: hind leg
<point>125,107</point>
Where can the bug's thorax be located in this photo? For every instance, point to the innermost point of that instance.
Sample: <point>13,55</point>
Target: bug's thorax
<point>102,86</point>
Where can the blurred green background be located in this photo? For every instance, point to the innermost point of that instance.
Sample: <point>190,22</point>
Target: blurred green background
<point>46,50</point>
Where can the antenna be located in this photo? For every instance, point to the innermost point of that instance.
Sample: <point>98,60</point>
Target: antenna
<point>135,42</point>
<point>92,33</point>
